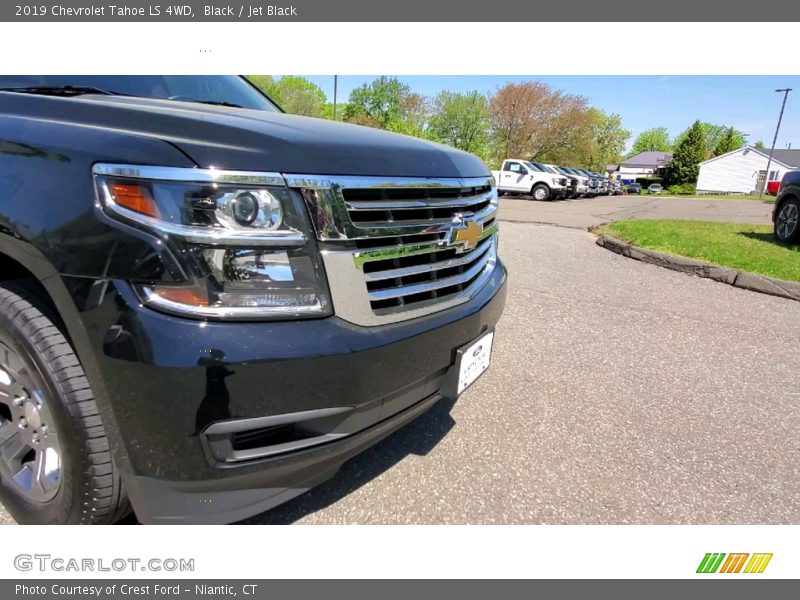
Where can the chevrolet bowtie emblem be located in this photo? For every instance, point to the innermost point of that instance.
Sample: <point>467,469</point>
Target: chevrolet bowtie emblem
<point>465,235</point>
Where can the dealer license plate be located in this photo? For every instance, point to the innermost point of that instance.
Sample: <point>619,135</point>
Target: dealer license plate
<point>474,361</point>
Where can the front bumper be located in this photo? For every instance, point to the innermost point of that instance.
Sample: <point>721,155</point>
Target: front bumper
<point>169,382</point>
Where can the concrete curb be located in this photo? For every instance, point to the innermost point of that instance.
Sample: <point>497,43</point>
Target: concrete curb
<point>740,279</point>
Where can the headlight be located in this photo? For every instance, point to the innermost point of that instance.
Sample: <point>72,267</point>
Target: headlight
<point>241,238</point>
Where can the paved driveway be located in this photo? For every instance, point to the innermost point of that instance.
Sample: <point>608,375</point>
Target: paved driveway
<point>587,212</point>
<point>620,393</point>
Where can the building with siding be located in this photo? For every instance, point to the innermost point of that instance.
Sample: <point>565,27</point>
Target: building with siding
<point>644,164</point>
<point>744,170</point>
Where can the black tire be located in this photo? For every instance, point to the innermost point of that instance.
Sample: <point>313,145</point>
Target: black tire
<point>787,228</point>
<point>541,192</point>
<point>87,488</point>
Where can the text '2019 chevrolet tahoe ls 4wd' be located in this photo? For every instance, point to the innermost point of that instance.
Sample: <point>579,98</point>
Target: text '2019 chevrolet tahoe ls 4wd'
<point>207,306</point>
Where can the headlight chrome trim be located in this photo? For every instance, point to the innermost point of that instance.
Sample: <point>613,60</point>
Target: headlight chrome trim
<point>196,235</point>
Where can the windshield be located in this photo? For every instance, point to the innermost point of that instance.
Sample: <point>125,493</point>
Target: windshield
<point>227,90</point>
<point>531,166</point>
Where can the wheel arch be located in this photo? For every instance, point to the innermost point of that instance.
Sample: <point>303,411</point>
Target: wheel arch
<point>12,270</point>
<point>541,184</point>
<point>23,264</point>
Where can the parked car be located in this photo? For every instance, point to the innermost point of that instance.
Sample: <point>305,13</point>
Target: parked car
<point>583,188</point>
<point>207,306</point>
<point>618,188</point>
<point>787,209</point>
<point>573,181</point>
<point>603,183</point>
<point>655,188</point>
<point>634,188</point>
<point>565,183</point>
<point>594,183</point>
<point>518,176</point>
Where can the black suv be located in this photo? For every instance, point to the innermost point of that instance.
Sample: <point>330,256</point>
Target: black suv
<point>787,209</point>
<point>207,306</point>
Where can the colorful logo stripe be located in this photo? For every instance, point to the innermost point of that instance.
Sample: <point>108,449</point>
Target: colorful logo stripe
<point>713,562</point>
<point>710,562</point>
<point>758,563</point>
<point>734,563</point>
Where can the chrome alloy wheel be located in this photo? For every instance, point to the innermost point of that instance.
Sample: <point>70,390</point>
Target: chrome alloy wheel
<point>30,453</point>
<point>786,223</point>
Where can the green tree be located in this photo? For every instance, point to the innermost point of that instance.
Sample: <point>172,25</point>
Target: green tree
<point>759,144</point>
<point>461,121</point>
<point>296,95</point>
<point>387,103</point>
<point>655,139</point>
<point>714,134</point>
<point>532,120</point>
<point>605,140</point>
<point>327,111</point>
<point>690,152</point>
<point>728,143</point>
<point>266,83</point>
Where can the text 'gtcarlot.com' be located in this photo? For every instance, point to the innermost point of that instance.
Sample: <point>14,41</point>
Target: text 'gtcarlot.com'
<point>47,562</point>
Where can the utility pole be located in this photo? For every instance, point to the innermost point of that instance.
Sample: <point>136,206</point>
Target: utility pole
<point>774,140</point>
<point>335,90</point>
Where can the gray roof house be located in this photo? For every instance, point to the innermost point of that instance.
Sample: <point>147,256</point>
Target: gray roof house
<point>790,158</point>
<point>647,160</point>
<point>643,164</point>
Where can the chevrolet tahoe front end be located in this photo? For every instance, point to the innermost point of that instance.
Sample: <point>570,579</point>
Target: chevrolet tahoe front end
<point>253,297</point>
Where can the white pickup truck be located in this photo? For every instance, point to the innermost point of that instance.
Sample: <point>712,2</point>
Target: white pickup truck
<point>520,176</point>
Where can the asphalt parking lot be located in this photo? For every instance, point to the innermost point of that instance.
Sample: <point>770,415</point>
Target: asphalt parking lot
<point>588,212</point>
<point>620,392</point>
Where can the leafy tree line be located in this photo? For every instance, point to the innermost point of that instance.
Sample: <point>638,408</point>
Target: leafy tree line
<point>697,143</point>
<point>527,120</point>
<point>718,139</point>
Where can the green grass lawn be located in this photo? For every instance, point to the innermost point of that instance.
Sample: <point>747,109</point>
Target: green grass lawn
<point>740,246</point>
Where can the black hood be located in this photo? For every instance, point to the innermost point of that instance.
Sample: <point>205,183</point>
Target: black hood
<point>254,140</point>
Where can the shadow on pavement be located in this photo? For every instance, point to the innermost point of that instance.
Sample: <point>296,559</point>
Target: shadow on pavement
<point>418,437</point>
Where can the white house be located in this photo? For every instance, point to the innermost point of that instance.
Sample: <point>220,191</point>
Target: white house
<point>644,164</point>
<point>744,170</point>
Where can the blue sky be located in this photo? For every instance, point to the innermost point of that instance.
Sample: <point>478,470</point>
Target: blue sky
<point>746,102</point>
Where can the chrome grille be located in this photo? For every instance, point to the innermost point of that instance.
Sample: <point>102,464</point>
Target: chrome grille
<point>369,207</point>
<point>391,247</point>
<point>423,277</point>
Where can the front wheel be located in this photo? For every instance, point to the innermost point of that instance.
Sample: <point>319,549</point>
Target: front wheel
<point>786,229</point>
<point>55,463</point>
<point>540,192</point>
